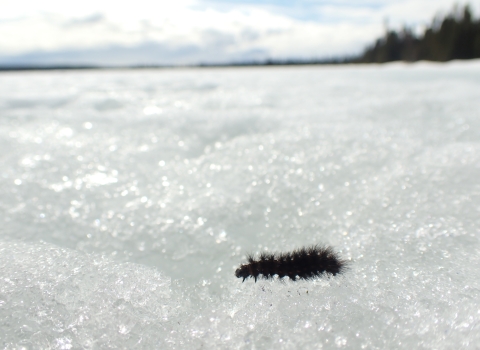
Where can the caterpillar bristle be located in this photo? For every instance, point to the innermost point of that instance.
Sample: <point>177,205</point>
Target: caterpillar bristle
<point>306,263</point>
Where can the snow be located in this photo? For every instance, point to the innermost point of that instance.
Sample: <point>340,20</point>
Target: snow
<point>128,198</point>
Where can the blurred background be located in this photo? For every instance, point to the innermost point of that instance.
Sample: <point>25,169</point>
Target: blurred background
<point>209,32</point>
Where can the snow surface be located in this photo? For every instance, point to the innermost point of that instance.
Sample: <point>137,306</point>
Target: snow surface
<point>128,198</point>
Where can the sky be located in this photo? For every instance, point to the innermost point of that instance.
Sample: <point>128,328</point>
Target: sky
<point>108,32</point>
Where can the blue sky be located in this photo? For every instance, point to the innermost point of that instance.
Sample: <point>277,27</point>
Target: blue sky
<point>198,31</point>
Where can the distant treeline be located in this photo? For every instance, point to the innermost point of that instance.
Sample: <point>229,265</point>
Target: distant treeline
<point>456,36</point>
<point>11,67</point>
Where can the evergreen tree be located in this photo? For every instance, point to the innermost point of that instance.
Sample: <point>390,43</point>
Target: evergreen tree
<point>457,36</point>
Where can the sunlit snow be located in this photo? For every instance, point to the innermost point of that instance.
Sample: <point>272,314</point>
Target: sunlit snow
<point>128,198</point>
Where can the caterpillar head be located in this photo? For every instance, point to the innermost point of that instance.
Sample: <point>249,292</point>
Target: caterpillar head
<point>242,271</point>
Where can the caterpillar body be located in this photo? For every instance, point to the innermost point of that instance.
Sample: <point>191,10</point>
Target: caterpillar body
<point>304,263</point>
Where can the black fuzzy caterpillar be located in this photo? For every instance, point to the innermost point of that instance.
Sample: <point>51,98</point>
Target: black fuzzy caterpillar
<point>304,263</point>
